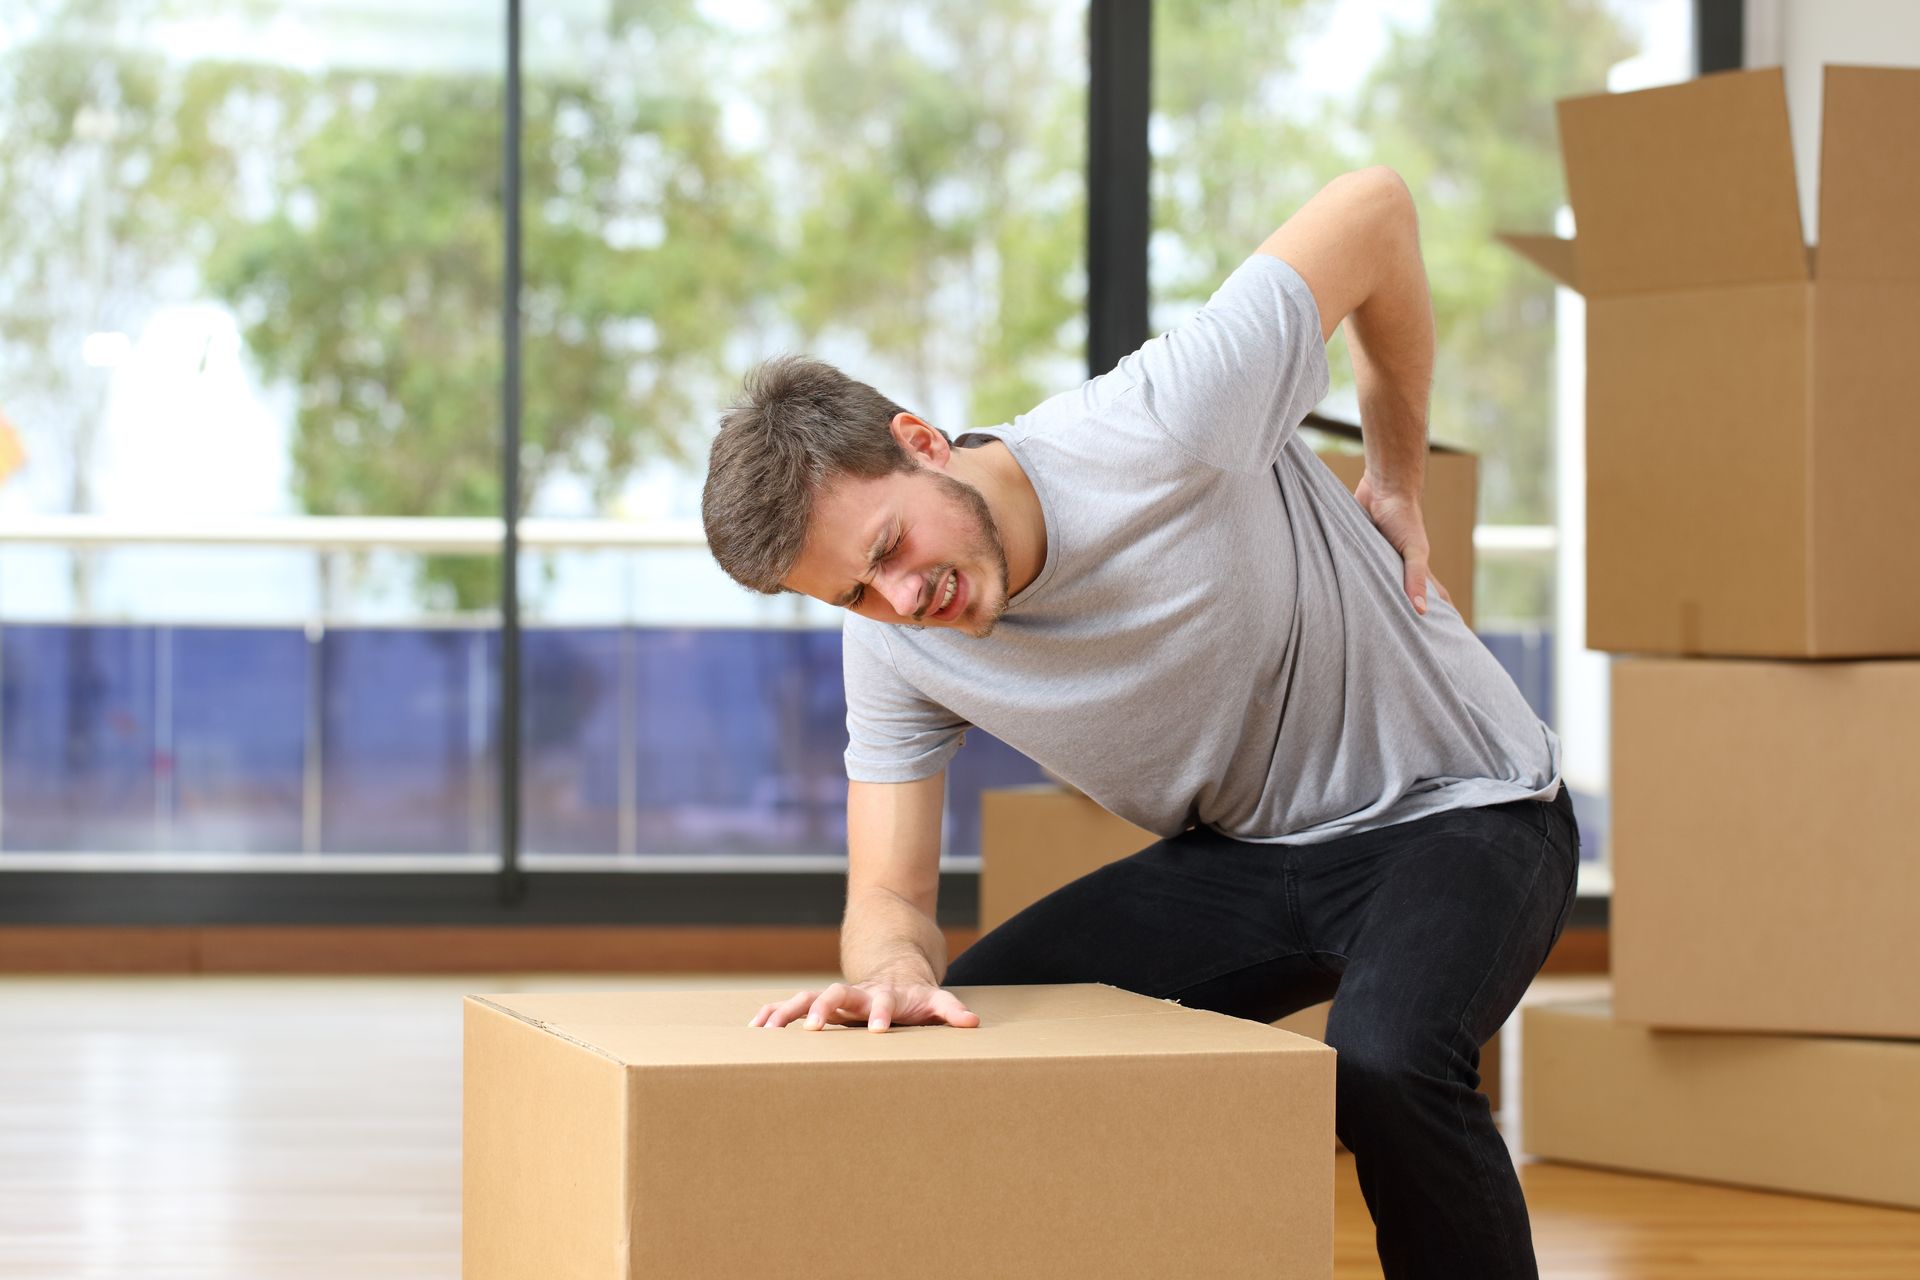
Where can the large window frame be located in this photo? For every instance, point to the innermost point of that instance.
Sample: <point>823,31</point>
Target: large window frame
<point>1118,173</point>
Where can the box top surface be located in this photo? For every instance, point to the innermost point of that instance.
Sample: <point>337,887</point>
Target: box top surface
<point>709,1028</point>
<point>1596,1007</point>
<point>1692,185</point>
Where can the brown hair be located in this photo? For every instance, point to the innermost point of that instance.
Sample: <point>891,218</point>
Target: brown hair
<point>798,425</point>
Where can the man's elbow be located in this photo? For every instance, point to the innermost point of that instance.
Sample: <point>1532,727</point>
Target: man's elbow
<point>1356,237</point>
<point>1384,193</point>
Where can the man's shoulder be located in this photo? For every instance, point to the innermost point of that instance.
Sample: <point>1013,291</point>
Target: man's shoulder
<point>864,637</point>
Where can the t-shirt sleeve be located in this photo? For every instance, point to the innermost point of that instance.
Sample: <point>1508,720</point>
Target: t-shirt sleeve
<point>894,733</point>
<point>1231,383</point>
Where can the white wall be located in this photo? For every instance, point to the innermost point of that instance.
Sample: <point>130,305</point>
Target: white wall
<point>1802,36</point>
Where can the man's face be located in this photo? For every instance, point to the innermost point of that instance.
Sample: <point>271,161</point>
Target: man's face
<point>918,548</point>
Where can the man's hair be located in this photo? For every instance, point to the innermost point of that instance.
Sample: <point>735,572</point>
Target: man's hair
<point>798,426</point>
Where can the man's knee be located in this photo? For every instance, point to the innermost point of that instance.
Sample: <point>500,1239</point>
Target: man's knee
<point>1387,1075</point>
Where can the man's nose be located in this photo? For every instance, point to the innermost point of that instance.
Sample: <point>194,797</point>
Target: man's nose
<point>902,590</point>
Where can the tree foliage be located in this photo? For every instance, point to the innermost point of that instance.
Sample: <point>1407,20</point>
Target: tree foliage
<point>375,286</point>
<point>914,190</point>
<point>931,174</point>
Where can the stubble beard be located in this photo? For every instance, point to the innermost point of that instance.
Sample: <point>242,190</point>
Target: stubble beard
<point>987,545</point>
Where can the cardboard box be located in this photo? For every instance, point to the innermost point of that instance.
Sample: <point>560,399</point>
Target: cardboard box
<point>1078,1131</point>
<point>1818,1116</point>
<point>1766,866</point>
<point>1451,505</point>
<point>1035,839</point>
<point>1751,449</point>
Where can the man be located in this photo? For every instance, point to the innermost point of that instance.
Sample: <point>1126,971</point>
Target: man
<point>1150,585</point>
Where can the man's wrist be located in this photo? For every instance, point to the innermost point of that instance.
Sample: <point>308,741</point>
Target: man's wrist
<point>1401,482</point>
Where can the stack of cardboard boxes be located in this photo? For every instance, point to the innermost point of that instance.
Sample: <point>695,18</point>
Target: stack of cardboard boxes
<point>1753,460</point>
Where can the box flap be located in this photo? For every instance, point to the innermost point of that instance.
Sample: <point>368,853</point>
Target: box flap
<point>1870,174</point>
<point>709,1028</point>
<point>1551,254</point>
<point>1685,186</point>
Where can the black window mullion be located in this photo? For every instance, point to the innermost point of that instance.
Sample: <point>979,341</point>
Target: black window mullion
<point>1119,48</point>
<point>512,881</point>
<point>1719,35</point>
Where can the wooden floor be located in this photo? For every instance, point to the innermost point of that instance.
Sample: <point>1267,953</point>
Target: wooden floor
<point>207,1128</point>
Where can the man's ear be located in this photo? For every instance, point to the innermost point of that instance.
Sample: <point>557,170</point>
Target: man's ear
<point>921,440</point>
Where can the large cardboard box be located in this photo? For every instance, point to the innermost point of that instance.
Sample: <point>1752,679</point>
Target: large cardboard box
<point>1752,446</point>
<point>1766,861</point>
<point>1034,840</point>
<point>1819,1116</point>
<point>1078,1131</point>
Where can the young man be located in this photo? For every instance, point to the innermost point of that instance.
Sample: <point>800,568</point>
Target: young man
<point>1151,586</point>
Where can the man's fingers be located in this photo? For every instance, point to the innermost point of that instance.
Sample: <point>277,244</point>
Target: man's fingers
<point>1417,584</point>
<point>782,1012</point>
<point>824,1005</point>
<point>790,1008</point>
<point>846,1003</point>
<point>952,1012</point>
<point>834,999</point>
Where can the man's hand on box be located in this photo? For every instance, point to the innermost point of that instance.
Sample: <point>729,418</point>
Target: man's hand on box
<point>879,1003</point>
<point>1398,516</point>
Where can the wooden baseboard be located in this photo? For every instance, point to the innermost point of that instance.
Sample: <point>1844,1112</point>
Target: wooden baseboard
<point>455,949</point>
<point>1582,950</point>
<point>492,949</point>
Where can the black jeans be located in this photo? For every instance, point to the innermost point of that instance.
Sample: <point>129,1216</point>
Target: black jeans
<point>1430,931</point>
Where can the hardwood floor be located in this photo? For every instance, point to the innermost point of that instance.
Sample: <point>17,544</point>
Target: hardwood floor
<point>300,1127</point>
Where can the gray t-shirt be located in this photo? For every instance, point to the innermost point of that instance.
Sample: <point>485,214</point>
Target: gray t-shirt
<point>1219,634</point>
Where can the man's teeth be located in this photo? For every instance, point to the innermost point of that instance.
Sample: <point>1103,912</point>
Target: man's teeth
<point>946,597</point>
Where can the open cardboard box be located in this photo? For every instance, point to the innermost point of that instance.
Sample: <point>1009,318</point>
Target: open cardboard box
<point>1752,443</point>
<point>1078,1131</point>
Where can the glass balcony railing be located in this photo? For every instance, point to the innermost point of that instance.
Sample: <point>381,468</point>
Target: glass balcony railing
<point>638,742</point>
<point>656,742</point>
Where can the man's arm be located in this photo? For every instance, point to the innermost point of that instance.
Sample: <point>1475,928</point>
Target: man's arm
<point>1357,246</point>
<point>892,954</point>
<point>893,882</point>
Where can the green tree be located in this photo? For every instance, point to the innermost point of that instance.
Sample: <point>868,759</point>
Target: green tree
<point>933,165</point>
<point>1234,152</point>
<point>918,191</point>
<point>374,288</point>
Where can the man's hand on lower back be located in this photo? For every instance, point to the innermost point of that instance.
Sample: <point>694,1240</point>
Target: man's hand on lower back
<point>1398,516</point>
<point>878,1003</point>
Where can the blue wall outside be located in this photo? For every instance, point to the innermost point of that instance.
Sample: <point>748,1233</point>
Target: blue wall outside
<point>196,739</point>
